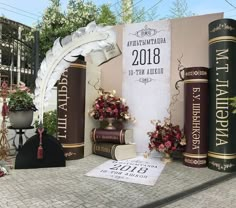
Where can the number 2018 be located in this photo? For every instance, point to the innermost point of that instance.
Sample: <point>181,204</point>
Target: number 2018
<point>146,56</point>
<point>128,168</point>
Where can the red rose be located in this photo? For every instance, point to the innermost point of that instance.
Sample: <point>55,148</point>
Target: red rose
<point>154,134</point>
<point>166,137</point>
<point>161,148</point>
<point>108,109</point>
<point>1,173</point>
<point>178,136</point>
<point>97,106</point>
<point>168,144</point>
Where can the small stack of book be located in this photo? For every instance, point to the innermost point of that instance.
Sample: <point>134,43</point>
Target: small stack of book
<point>114,144</point>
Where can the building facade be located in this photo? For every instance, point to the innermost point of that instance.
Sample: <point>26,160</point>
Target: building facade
<point>16,53</point>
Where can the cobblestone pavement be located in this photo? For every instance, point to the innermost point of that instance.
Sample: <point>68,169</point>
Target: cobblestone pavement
<point>219,196</point>
<point>68,187</point>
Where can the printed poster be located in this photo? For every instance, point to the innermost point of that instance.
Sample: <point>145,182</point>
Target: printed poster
<point>138,170</point>
<point>146,75</point>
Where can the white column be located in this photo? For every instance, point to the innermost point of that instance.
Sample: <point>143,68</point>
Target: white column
<point>1,43</point>
<point>19,55</point>
<point>0,50</point>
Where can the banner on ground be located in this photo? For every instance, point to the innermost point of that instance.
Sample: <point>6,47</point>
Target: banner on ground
<point>138,170</point>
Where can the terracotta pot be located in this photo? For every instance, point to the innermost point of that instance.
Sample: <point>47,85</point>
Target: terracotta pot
<point>21,119</point>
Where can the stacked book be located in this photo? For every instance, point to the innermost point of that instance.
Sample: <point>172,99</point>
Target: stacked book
<point>114,144</point>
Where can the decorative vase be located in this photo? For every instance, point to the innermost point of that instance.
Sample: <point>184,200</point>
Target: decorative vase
<point>110,125</point>
<point>166,157</point>
<point>21,119</point>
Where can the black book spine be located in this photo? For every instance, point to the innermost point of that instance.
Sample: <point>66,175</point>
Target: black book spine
<point>222,86</point>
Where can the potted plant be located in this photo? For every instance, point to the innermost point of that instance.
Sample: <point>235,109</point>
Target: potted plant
<point>49,122</point>
<point>107,106</point>
<point>166,139</point>
<point>21,107</point>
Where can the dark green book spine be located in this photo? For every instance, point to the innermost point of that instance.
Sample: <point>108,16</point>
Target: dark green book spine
<point>222,86</point>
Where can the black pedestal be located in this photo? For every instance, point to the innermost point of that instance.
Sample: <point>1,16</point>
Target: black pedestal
<point>21,133</point>
<point>53,155</point>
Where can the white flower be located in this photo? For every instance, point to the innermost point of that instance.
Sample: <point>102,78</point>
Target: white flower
<point>4,170</point>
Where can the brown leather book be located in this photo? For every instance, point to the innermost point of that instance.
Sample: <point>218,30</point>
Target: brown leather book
<point>122,136</point>
<point>71,110</point>
<point>196,116</point>
<point>115,151</point>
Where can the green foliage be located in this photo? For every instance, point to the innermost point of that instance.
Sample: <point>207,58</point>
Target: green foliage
<point>127,12</point>
<point>56,23</point>
<point>49,122</point>
<point>106,16</point>
<point>180,9</point>
<point>52,26</point>
<point>233,104</point>
<point>139,15</point>
<point>21,101</point>
<point>79,14</point>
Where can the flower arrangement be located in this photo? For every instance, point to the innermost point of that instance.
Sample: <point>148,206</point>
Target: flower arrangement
<point>20,99</point>
<point>4,169</point>
<point>166,138</point>
<point>107,105</point>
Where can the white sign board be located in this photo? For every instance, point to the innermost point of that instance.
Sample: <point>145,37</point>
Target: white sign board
<point>146,75</point>
<point>138,170</point>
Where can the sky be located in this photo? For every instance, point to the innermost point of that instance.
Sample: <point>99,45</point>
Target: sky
<point>29,12</point>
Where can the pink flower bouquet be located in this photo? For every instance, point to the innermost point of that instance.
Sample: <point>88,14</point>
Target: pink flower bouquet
<point>166,138</point>
<point>107,105</point>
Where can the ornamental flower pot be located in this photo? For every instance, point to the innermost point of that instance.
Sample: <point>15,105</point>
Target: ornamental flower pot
<point>21,119</point>
<point>110,110</point>
<point>166,139</point>
<point>166,157</point>
<point>21,107</point>
<point>110,124</point>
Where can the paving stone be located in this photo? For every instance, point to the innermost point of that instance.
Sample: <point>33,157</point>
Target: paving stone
<point>69,187</point>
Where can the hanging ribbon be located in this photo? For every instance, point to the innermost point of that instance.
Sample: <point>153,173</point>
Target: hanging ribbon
<point>40,148</point>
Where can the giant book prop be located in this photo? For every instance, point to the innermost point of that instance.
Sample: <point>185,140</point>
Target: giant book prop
<point>222,86</point>
<point>71,109</point>
<point>196,119</point>
<point>115,151</point>
<point>137,41</point>
<point>58,59</point>
<point>121,136</point>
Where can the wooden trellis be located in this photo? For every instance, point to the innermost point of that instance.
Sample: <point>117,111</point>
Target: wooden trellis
<point>4,145</point>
